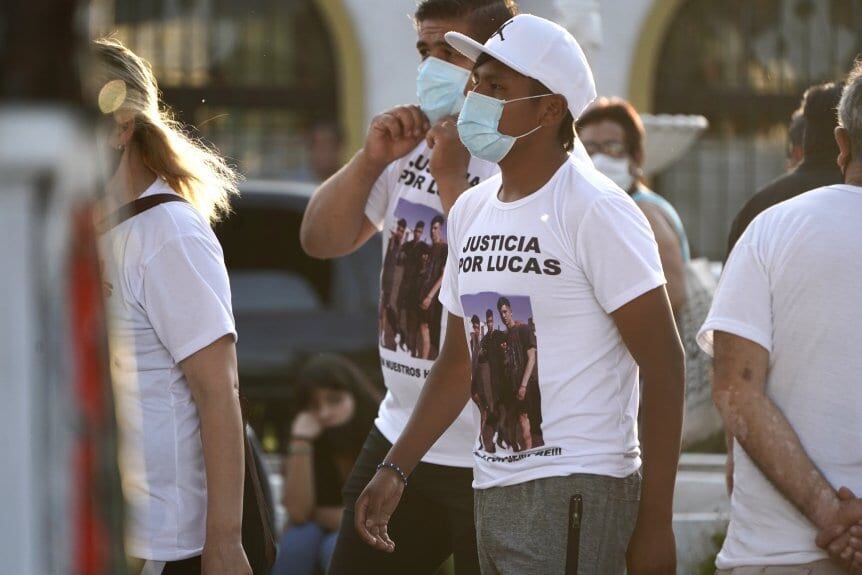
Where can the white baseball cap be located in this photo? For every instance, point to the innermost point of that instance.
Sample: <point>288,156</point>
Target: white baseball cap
<point>539,49</point>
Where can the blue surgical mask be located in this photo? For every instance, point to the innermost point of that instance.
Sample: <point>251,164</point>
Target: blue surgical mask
<point>479,123</point>
<point>440,88</point>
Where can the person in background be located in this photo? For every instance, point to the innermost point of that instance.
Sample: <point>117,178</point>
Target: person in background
<point>325,145</point>
<point>172,331</point>
<point>795,140</point>
<point>337,405</point>
<point>412,155</point>
<point>784,332</point>
<point>818,167</point>
<point>613,134</point>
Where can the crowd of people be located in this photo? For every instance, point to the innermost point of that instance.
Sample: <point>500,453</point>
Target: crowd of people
<point>528,268</point>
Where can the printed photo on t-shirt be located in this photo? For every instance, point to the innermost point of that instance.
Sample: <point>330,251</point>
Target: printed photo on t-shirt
<point>505,371</point>
<point>413,265</point>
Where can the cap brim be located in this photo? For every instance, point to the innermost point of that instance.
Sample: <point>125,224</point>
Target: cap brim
<point>473,49</point>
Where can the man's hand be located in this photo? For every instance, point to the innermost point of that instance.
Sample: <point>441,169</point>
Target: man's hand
<point>842,538</point>
<point>394,133</point>
<point>522,392</point>
<point>306,426</point>
<point>375,507</point>
<point>224,557</point>
<point>450,160</point>
<point>652,549</point>
<point>426,303</point>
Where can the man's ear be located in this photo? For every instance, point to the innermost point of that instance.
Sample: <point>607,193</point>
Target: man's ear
<point>842,138</point>
<point>555,110</point>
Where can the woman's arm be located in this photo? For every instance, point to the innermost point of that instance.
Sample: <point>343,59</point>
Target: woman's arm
<point>299,494</point>
<point>214,383</point>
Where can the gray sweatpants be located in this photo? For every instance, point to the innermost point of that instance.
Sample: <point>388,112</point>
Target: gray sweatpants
<point>525,529</point>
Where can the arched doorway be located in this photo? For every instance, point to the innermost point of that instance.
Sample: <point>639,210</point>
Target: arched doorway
<point>252,76</point>
<point>744,65</point>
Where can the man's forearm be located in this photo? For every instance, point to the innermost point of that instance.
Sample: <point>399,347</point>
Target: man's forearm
<point>449,190</point>
<point>335,215</point>
<point>443,397</point>
<point>662,431</point>
<point>767,437</point>
<point>222,439</point>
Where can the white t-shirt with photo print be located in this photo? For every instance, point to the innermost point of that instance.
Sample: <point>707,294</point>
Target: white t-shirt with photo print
<point>551,268</point>
<point>413,265</point>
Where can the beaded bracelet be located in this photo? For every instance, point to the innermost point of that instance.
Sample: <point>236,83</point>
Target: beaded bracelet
<point>395,468</point>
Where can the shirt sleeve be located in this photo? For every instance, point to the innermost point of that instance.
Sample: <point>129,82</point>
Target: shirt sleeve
<point>449,296</point>
<point>742,304</point>
<point>378,199</point>
<point>186,295</point>
<point>618,252</point>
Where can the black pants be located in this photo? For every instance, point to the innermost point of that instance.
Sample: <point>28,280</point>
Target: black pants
<point>433,520</point>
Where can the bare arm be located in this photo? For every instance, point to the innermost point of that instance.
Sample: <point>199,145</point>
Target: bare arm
<point>449,162</point>
<point>739,392</point>
<point>647,328</point>
<point>214,382</point>
<point>670,251</point>
<point>444,395</point>
<point>429,297</point>
<point>299,482</point>
<point>334,223</point>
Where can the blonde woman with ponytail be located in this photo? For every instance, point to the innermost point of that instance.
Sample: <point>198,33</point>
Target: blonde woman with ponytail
<point>173,334</point>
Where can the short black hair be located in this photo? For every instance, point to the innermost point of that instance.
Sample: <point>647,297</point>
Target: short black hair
<point>483,17</point>
<point>419,224</point>
<point>402,223</point>
<point>503,301</point>
<point>489,314</point>
<point>475,320</point>
<point>820,110</point>
<point>437,220</point>
<point>566,133</point>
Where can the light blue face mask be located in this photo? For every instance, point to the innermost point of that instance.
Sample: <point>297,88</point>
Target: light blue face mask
<point>478,127</point>
<point>440,88</point>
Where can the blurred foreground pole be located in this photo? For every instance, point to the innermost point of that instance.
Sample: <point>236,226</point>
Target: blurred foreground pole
<point>59,492</point>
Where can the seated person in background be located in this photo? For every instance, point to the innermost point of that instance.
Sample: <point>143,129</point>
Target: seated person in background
<point>613,134</point>
<point>336,409</point>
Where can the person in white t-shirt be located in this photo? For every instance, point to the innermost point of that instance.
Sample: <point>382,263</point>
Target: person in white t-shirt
<point>784,334</point>
<point>172,332</point>
<point>569,265</point>
<point>408,174</point>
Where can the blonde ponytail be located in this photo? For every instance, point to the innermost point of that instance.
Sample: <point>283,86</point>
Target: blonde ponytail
<point>191,168</point>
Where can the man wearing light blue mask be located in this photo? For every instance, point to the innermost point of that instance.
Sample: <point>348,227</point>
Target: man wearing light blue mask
<point>569,264</point>
<point>411,170</point>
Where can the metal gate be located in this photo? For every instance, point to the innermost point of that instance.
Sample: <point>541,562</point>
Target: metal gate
<point>251,75</point>
<point>744,64</point>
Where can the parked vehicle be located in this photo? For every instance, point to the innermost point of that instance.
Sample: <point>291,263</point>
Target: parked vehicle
<point>287,305</point>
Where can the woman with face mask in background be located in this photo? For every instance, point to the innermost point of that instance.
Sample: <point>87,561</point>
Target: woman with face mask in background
<point>336,409</point>
<point>172,331</point>
<point>613,135</point>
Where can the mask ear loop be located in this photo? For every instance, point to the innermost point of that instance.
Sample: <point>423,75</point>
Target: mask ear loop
<point>537,128</point>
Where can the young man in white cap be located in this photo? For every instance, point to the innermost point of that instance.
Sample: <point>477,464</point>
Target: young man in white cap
<point>411,168</point>
<point>573,257</point>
